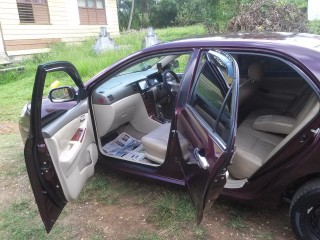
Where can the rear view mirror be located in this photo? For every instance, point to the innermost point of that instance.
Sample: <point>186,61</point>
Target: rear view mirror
<point>174,64</point>
<point>62,94</point>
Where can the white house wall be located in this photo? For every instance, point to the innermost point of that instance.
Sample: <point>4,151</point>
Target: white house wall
<point>64,26</point>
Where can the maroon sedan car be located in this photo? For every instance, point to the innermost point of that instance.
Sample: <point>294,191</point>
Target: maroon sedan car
<point>236,116</point>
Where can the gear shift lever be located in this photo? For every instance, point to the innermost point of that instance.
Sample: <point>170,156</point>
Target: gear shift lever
<point>158,111</point>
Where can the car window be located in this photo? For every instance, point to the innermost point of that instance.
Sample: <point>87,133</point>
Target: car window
<point>145,72</point>
<point>142,66</point>
<point>209,90</point>
<point>272,67</point>
<point>57,79</point>
<point>176,62</point>
<point>182,63</point>
<point>212,100</point>
<point>53,81</point>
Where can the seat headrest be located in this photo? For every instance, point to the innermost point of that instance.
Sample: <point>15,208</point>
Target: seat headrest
<point>255,71</point>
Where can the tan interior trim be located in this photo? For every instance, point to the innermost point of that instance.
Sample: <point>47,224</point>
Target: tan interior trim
<point>130,109</point>
<point>309,115</point>
<point>73,159</point>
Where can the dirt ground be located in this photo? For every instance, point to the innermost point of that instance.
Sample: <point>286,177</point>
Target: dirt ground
<point>8,127</point>
<point>127,211</point>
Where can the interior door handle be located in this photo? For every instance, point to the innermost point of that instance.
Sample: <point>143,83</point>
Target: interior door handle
<point>202,161</point>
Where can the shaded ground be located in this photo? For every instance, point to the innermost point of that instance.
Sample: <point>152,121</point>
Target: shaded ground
<point>117,207</point>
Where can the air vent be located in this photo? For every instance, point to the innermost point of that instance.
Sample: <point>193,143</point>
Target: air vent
<point>110,98</point>
<point>135,87</point>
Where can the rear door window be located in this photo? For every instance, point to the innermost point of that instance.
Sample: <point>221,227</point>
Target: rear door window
<point>211,98</point>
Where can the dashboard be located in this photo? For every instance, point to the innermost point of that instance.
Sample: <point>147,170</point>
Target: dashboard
<point>125,85</point>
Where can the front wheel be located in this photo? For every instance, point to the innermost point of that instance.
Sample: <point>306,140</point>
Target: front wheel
<point>305,211</point>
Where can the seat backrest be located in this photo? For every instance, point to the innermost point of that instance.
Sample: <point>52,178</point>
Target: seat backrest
<point>255,72</point>
<point>308,112</point>
<point>248,86</point>
<point>297,105</point>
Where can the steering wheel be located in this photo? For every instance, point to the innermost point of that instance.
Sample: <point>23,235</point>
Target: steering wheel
<point>171,82</point>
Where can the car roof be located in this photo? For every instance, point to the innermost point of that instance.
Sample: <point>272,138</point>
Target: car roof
<point>305,40</point>
<point>302,49</point>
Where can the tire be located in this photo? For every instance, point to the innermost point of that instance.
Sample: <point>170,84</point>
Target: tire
<point>305,211</point>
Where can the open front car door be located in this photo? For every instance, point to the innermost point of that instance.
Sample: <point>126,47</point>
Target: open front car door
<point>60,151</point>
<point>208,121</point>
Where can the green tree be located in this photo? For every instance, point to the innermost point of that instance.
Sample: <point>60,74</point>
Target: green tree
<point>140,14</point>
<point>123,7</point>
<point>214,14</point>
<point>190,13</point>
<point>163,13</point>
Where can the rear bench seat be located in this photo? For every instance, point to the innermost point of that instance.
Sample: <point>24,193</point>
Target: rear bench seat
<point>255,147</point>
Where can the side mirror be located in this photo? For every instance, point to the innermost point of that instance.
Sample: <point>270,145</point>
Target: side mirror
<point>62,94</point>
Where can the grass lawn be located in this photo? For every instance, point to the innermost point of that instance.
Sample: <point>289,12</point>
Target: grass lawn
<point>111,206</point>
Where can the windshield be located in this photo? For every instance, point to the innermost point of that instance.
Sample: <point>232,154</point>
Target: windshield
<point>142,66</point>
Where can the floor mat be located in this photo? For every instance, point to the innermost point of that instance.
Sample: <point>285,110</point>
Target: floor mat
<point>126,147</point>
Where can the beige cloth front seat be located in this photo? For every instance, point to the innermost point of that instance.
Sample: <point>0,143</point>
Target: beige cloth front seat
<point>155,143</point>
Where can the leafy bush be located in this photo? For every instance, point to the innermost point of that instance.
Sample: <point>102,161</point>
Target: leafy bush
<point>164,13</point>
<point>219,13</point>
<point>190,13</point>
<point>214,14</point>
<point>266,15</point>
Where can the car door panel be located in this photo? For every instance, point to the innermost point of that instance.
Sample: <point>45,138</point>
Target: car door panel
<point>52,128</point>
<point>199,141</point>
<point>73,150</point>
<point>60,151</point>
<point>208,122</point>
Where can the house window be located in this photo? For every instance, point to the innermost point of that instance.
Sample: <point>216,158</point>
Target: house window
<point>92,12</point>
<point>33,11</point>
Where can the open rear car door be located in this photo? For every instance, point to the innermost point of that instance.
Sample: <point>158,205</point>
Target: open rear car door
<point>60,151</point>
<point>208,121</point>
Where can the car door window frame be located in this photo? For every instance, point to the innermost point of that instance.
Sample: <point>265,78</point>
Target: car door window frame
<point>228,91</point>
